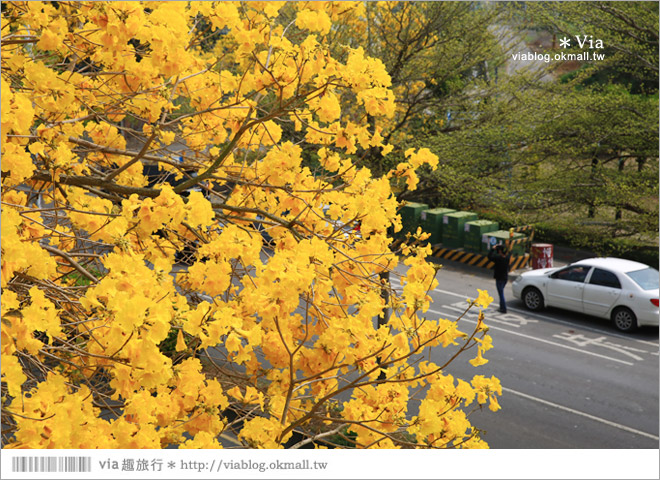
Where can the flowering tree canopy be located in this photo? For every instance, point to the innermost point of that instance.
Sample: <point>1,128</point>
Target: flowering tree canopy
<point>135,131</point>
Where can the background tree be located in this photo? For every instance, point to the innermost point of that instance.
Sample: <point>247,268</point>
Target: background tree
<point>442,57</point>
<point>548,147</point>
<point>628,30</point>
<point>596,140</point>
<point>132,131</point>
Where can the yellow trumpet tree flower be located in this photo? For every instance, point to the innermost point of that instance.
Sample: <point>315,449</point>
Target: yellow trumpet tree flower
<point>179,252</point>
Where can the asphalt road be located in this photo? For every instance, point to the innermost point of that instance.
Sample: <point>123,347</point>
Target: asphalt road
<point>569,380</point>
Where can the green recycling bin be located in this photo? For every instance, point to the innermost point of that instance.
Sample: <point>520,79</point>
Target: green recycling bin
<point>411,214</point>
<point>475,230</point>
<point>500,237</point>
<point>431,222</point>
<point>453,228</point>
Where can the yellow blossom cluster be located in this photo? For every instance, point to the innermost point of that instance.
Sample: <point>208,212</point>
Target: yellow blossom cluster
<point>252,120</point>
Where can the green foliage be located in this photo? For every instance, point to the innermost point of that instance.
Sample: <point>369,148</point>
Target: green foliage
<point>592,239</point>
<point>79,280</point>
<point>343,439</point>
<point>168,346</point>
<point>578,152</point>
<point>629,31</point>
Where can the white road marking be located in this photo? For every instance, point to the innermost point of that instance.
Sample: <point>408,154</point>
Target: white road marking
<point>583,341</point>
<point>542,340</point>
<point>546,402</point>
<point>582,414</point>
<point>584,327</point>
<point>556,320</point>
<point>506,319</point>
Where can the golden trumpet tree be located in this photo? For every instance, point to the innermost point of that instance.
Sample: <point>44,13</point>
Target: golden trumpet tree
<point>108,341</point>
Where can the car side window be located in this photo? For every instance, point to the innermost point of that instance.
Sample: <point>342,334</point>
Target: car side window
<point>576,273</point>
<point>604,278</point>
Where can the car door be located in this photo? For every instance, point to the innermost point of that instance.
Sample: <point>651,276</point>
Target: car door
<point>600,292</point>
<point>565,287</point>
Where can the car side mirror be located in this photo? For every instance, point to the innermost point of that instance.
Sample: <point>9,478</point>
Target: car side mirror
<point>556,274</point>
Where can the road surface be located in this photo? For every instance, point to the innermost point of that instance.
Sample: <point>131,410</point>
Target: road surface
<point>569,380</point>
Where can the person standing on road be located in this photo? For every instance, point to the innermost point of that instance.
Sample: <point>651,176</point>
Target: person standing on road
<point>500,256</point>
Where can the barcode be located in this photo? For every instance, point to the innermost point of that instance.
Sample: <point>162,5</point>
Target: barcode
<point>51,464</point>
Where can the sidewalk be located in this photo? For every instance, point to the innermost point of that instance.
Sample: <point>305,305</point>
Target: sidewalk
<point>562,256</point>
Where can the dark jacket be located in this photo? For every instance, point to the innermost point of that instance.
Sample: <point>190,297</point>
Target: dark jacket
<point>501,261</point>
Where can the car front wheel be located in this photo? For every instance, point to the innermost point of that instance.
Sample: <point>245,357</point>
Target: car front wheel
<point>532,298</point>
<point>624,319</point>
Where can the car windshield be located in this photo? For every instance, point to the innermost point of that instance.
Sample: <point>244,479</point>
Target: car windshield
<point>647,278</point>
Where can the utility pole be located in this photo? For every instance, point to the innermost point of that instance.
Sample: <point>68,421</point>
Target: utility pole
<point>384,316</point>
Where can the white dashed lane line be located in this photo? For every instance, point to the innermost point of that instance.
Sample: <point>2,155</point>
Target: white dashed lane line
<point>582,414</point>
<point>450,310</point>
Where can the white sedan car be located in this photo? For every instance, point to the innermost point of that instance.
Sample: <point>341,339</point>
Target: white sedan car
<point>621,290</point>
